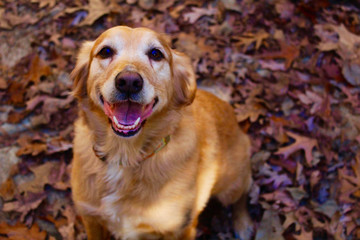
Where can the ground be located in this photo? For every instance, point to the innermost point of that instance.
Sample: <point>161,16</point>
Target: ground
<point>290,69</point>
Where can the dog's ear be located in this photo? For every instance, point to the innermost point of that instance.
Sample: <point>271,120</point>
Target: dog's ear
<point>184,79</point>
<point>80,73</point>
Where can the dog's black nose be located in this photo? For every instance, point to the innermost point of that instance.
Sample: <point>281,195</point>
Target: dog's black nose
<point>128,82</point>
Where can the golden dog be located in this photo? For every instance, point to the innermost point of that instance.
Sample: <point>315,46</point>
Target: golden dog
<point>150,150</point>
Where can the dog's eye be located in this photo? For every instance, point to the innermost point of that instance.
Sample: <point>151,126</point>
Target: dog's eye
<point>106,52</point>
<point>155,54</point>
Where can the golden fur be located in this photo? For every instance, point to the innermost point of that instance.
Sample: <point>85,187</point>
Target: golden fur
<point>160,197</point>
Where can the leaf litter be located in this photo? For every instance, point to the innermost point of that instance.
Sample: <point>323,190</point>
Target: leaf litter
<point>289,68</point>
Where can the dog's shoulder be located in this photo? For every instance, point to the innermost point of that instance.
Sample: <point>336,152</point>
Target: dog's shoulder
<point>212,107</point>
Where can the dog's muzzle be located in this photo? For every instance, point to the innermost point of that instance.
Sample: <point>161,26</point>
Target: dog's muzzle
<point>129,83</point>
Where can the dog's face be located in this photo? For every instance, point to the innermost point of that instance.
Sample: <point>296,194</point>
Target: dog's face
<point>130,74</point>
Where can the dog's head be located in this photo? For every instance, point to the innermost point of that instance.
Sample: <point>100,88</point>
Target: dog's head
<point>131,74</point>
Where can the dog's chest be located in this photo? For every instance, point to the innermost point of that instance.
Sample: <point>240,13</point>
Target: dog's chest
<point>127,220</point>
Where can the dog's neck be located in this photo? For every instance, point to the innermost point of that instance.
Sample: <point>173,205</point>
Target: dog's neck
<point>161,145</point>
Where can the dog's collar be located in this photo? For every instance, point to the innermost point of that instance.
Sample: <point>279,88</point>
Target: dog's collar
<point>161,145</point>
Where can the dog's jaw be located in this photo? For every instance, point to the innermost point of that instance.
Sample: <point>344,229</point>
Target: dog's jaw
<point>127,118</point>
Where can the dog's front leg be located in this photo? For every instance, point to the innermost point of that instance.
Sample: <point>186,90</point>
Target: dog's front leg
<point>189,232</point>
<point>94,230</point>
<point>243,224</point>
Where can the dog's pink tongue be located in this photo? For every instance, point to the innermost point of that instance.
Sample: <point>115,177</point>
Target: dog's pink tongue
<point>127,112</point>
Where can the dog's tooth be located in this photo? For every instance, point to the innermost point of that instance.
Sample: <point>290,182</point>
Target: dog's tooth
<point>136,122</point>
<point>115,121</point>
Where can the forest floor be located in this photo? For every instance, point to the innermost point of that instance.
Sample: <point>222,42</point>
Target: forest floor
<point>291,70</point>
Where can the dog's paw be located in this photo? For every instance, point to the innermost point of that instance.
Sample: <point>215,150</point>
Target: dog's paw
<point>245,234</point>
<point>244,228</point>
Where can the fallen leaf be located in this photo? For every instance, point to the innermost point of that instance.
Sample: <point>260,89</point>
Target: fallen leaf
<point>304,235</point>
<point>311,98</point>
<point>351,72</point>
<point>3,83</point>
<point>197,13</point>
<point>301,142</point>
<point>4,23</point>
<point>146,4</point>
<point>25,204</point>
<point>329,208</point>
<point>248,38</point>
<point>251,110</point>
<point>8,158</point>
<point>16,92</point>
<point>270,227</point>
<point>95,9</point>
<point>38,69</point>
<point>350,123</point>
<point>338,38</point>
<point>44,3</point>
<point>58,145</point>
<point>280,198</point>
<point>41,175</point>
<point>285,9</point>
<point>347,45</point>
<point>297,193</point>
<point>254,106</point>
<point>50,105</point>
<point>22,232</point>
<point>231,5</point>
<point>288,52</point>
<point>29,146</point>
<point>7,189</point>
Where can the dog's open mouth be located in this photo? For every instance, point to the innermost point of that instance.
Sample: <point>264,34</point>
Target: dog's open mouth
<point>128,117</point>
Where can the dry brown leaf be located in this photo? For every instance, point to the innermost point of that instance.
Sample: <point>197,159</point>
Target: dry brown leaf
<point>248,38</point>
<point>21,207</point>
<point>288,52</point>
<point>345,42</point>
<point>16,117</point>
<point>24,204</point>
<point>280,197</point>
<point>41,177</point>
<point>311,98</point>
<point>285,9</point>
<point>28,146</point>
<point>14,19</point>
<point>96,9</point>
<point>4,23</point>
<point>7,189</point>
<point>8,161</point>
<point>301,142</point>
<point>44,3</point>
<point>50,105</point>
<point>146,4</point>
<point>197,13</point>
<point>270,227</point>
<point>231,5</point>
<point>304,235</point>
<point>21,232</point>
<point>350,124</point>
<point>38,68</point>
<point>16,92</point>
<point>355,180</point>
<point>347,46</point>
<point>3,83</point>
